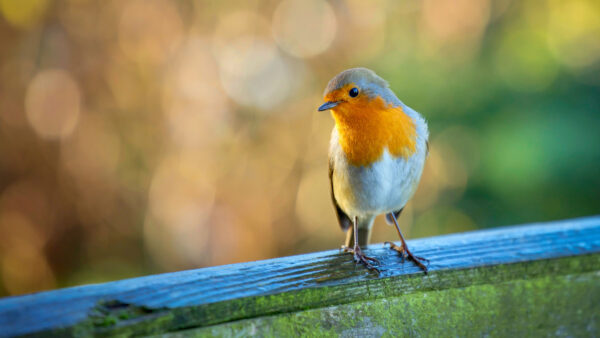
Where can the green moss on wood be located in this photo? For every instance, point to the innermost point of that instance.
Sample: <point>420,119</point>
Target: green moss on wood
<point>555,305</point>
<point>369,293</point>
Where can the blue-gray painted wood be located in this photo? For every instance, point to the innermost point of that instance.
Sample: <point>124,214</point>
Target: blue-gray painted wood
<point>45,311</point>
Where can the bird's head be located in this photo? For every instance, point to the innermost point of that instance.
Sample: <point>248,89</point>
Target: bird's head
<point>368,116</point>
<point>355,92</point>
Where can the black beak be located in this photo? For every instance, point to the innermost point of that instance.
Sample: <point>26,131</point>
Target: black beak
<point>328,105</point>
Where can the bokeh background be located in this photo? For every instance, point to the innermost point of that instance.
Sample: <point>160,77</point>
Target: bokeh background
<point>140,137</point>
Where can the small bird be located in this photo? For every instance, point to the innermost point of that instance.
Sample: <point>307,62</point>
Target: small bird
<point>376,157</point>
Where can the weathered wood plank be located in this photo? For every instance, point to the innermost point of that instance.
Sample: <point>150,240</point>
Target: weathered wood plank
<point>203,297</point>
<point>536,307</point>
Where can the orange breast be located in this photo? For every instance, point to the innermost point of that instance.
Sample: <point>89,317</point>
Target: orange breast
<point>367,126</point>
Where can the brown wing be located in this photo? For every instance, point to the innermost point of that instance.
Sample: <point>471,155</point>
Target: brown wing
<point>343,219</point>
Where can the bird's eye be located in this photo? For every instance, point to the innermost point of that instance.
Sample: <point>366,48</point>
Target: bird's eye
<point>353,92</point>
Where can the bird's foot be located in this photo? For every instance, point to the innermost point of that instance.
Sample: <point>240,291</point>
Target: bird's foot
<point>405,253</point>
<point>360,257</point>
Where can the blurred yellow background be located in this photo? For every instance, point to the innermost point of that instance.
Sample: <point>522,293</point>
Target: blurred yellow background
<point>139,137</point>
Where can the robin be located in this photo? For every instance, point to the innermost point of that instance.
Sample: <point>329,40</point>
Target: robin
<point>376,156</point>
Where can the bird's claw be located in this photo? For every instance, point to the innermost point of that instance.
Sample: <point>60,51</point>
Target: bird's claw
<point>360,257</point>
<point>406,254</point>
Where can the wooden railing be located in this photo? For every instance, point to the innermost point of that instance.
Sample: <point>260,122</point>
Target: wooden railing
<point>530,280</point>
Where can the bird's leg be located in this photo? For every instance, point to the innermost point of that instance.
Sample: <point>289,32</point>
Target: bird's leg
<point>359,256</point>
<point>403,250</point>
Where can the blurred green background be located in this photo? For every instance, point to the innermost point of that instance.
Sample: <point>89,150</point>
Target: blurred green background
<point>139,137</point>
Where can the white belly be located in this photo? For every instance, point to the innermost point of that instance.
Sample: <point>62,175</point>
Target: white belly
<point>382,187</point>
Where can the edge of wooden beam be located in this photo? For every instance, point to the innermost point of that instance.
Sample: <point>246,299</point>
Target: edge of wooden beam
<point>209,296</point>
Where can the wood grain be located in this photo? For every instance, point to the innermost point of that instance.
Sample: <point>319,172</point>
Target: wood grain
<point>210,296</point>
